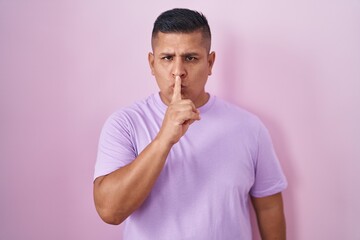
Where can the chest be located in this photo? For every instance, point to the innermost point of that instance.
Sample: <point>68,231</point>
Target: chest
<point>214,154</point>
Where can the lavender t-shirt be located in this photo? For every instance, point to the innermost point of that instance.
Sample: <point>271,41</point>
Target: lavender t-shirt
<point>203,191</point>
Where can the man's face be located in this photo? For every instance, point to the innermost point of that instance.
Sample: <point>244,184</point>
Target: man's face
<point>185,55</point>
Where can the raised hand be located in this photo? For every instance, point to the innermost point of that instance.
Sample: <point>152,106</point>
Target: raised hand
<point>181,113</point>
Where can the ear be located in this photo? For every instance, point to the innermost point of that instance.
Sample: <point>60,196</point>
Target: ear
<point>211,60</point>
<point>151,59</point>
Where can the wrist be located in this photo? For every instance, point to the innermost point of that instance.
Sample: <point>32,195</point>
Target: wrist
<point>162,143</point>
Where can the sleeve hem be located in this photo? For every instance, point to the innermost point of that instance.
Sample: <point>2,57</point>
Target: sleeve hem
<point>270,192</point>
<point>103,172</point>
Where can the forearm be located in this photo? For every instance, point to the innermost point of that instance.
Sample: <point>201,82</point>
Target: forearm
<point>270,217</point>
<point>121,192</point>
<point>272,225</point>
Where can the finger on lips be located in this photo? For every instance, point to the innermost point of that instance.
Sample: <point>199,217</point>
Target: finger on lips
<point>187,114</point>
<point>177,89</point>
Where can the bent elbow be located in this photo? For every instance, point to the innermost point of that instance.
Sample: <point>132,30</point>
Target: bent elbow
<point>110,218</point>
<point>112,221</point>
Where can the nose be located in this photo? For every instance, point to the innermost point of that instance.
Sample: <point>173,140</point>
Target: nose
<point>178,68</point>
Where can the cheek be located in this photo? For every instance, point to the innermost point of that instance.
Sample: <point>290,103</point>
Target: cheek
<point>200,76</point>
<point>162,83</point>
<point>161,71</point>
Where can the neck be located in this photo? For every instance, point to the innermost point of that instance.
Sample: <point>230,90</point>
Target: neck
<point>201,101</point>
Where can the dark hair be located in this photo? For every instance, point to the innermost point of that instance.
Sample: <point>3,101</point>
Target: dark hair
<point>181,20</point>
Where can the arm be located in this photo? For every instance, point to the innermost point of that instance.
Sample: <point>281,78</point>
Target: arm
<point>121,192</point>
<point>270,217</point>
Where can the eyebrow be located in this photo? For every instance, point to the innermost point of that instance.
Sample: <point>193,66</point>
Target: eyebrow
<point>182,55</point>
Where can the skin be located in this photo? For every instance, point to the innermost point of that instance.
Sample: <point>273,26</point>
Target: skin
<point>270,217</point>
<point>184,55</point>
<point>181,64</point>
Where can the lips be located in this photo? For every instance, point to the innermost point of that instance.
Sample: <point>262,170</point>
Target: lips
<point>182,87</point>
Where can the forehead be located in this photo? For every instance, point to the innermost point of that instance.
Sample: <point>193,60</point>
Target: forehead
<point>181,42</point>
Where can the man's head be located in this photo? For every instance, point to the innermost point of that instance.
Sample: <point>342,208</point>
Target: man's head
<point>181,43</point>
<point>180,20</point>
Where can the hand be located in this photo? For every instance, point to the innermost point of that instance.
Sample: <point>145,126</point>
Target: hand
<point>181,113</point>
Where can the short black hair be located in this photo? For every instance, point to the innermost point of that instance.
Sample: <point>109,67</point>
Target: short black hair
<point>182,20</point>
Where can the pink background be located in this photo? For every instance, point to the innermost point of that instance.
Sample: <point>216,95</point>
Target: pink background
<point>66,65</point>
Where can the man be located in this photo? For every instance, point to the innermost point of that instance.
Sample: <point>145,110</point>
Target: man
<point>183,164</point>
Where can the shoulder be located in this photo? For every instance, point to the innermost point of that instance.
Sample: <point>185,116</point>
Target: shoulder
<point>247,122</point>
<point>137,108</point>
<point>236,113</point>
<point>126,116</point>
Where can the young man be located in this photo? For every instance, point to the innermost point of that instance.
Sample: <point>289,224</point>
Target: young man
<point>183,164</point>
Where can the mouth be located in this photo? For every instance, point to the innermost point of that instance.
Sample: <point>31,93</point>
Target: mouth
<point>182,87</point>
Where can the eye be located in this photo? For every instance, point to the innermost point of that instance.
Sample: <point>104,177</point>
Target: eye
<point>190,58</point>
<point>167,58</point>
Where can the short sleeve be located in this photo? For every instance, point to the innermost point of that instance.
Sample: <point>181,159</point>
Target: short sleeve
<point>269,176</point>
<point>116,148</point>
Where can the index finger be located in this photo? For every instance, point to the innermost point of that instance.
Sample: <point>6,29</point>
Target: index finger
<point>177,90</point>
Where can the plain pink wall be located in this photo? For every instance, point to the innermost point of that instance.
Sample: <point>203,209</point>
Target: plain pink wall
<point>66,65</point>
